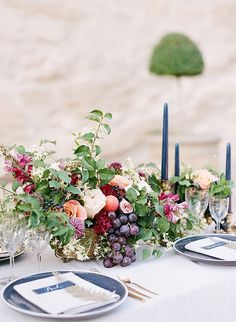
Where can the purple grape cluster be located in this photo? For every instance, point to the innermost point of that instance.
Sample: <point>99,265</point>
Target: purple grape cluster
<point>123,227</point>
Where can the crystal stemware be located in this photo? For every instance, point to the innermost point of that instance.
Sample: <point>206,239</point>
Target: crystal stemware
<point>37,240</point>
<point>218,207</point>
<point>12,236</point>
<point>197,200</point>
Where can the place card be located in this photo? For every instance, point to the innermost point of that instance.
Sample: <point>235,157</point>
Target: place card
<point>215,247</point>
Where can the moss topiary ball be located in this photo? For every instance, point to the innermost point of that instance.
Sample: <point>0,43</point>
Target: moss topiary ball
<point>176,55</point>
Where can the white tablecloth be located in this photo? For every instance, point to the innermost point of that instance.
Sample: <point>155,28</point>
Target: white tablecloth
<point>189,292</point>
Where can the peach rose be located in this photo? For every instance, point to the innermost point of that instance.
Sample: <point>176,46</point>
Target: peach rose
<point>120,181</point>
<point>94,201</point>
<point>74,209</point>
<point>203,178</point>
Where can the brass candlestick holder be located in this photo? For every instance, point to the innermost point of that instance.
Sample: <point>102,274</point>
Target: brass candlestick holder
<point>166,186</point>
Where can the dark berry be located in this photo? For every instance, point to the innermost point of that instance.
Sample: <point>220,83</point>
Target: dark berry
<point>116,247</point>
<point>111,238</point>
<point>112,215</point>
<point>134,230</point>
<point>133,218</point>
<point>121,240</point>
<point>129,251</point>
<point>111,231</point>
<point>117,258</point>
<point>116,223</point>
<point>108,263</point>
<point>117,232</point>
<point>133,258</point>
<point>124,230</point>
<point>126,261</point>
<point>123,219</point>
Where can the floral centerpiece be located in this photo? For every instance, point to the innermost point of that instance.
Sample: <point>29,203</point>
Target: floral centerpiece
<point>93,209</point>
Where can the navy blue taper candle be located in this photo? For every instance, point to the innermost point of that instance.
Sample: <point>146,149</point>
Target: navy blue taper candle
<point>164,160</point>
<point>228,169</point>
<point>177,168</point>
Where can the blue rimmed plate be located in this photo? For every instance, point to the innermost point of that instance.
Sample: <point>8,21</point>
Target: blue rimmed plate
<point>179,247</point>
<point>5,256</point>
<point>18,303</point>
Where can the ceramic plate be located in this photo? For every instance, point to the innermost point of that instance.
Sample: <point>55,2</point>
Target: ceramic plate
<point>180,244</point>
<point>18,303</point>
<point>6,257</point>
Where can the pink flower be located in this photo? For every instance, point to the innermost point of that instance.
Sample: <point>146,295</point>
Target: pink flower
<point>203,178</point>
<point>120,181</point>
<point>29,188</point>
<point>78,224</point>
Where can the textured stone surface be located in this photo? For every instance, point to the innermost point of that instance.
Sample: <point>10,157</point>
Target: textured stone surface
<point>60,58</point>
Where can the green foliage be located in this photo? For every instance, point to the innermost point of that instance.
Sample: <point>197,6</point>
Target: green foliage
<point>222,187</point>
<point>176,55</point>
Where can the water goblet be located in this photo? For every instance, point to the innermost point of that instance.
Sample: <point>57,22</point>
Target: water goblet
<point>37,240</point>
<point>218,207</point>
<point>197,200</point>
<point>12,236</point>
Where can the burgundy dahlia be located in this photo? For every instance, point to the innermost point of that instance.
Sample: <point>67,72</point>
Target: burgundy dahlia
<point>102,223</point>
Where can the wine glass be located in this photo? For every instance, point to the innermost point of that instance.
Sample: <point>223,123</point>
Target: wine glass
<point>37,240</point>
<point>197,200</point>
<point>12,236</point>
<point>218,207</point>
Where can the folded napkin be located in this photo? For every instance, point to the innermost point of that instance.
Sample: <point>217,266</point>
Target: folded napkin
<point>214,247</point>
<point>65,294</point>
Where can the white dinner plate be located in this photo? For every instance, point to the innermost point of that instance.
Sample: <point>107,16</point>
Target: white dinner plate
<point>20,304</point>
<point>179,247</point>
<point>5,256</point>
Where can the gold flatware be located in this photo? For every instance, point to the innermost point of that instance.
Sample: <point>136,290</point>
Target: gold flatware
<point>136,297</point>
<point>127,280</point>
<point>134,290</point>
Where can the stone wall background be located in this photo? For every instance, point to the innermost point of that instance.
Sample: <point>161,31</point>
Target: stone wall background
<point>60,58</point>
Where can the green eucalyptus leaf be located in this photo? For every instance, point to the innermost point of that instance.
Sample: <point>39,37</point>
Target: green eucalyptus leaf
<point>73,189</point>
<point>141,210</point>
<point>94,118</point>
<point>163,224</point>
<point>97,112</point>
<point>106,174</point>
<point>42,185</point>
<point>88,163</point>
<point>89,137</point>
<point>82,150</point>
<point>15,185</point>
<point>108,116</point>
<point>107,128</point>
<point>159,209</point>
<point>64,176</point>
<point>131,194</point>
<point>24,207</point>
<point>54,184</point>
<point>85,175</point>
<point>38,163</point>
<point>146,253</point>
<point>154,183</point>
<point>98,150</point>
<point>157,253</point>
<point>100,164</point>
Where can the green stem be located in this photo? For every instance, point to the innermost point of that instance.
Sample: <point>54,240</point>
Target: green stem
<point>96,135</point>
<point>12,192</point>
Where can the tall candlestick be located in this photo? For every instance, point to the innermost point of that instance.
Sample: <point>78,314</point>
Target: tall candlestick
<point>228,162</point>
<point>164,160</point>
<point>177,169</point>
<point>228,170</point>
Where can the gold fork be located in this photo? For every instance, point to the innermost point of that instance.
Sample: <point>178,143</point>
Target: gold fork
<point>127,280</point>
<point>135,294</point>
